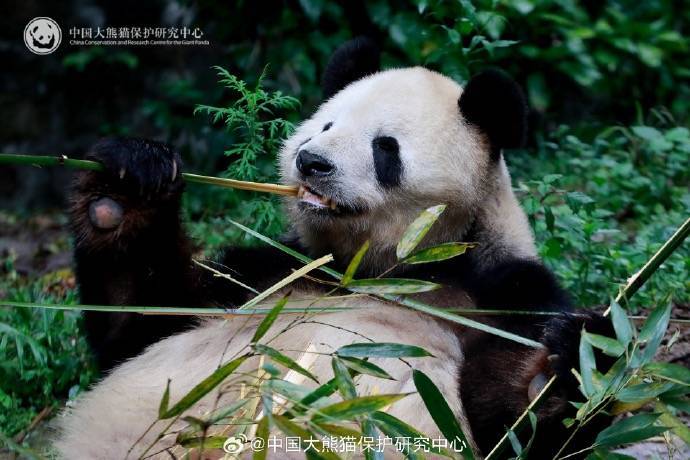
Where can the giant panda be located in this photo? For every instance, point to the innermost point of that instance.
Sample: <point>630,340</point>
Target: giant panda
<point>382,147</point>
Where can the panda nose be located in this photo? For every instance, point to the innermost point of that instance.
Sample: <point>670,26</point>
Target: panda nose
<point>313,165</point>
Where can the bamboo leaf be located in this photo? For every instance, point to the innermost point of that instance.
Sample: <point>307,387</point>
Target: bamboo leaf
<point>269,319</point>
<point>437,253</point>
<point>354,264</point>
<point>654,329</point>
<point>315,447</point>
<point>643,392</point>
<point>393,427</point>
<point>288,279</point>
<point>391,286</point>
<point>225,412</point>
<point>674,423</point>
<point>381,350</point>
<point>346,385</point>
<point>608,345</point>
<point>286,361</point>
<point>365,367</point>
<point>440,411</point>
<point>416,231</point>
<point>353,408</point>
<point>262,432</point>
<point>209,442</point>
<point>669,371</point>
<point>587,366</point>
<point>289,390</point>
<point>631,429</point>
<point>203,388</point>
<point>621,323</point>
<point>165,401</point>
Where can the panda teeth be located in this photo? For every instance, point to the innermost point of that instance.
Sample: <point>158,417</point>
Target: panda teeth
<point>306,195</point>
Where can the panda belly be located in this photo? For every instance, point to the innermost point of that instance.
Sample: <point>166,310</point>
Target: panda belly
<point>106,421</point>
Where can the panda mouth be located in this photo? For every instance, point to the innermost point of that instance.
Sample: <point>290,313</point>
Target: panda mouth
<point>310,197</point>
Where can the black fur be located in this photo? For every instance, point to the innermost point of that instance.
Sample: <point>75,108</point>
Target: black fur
<point>495,104</point>
<point>387,161</point>
<point>351,61</point>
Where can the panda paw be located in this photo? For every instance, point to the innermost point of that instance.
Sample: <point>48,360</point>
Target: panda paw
<point>561,338</point>
<point>138,168</point>
<point>138,190</point>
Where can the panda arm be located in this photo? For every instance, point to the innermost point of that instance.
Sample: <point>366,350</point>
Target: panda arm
<point>499,377</point>
<point>131,249</point>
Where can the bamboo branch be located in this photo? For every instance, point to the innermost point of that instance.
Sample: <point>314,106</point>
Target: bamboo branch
<point>62,160</point>
<point>636,281</point>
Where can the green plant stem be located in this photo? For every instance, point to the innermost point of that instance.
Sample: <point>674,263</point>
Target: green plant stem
<point>636,281</point>
<point>522,420</point>
<point>43,160</point>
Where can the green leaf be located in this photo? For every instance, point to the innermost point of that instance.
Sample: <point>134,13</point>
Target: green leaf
<point>289,390</point>
<point>316,447</point>
<point>365,367</point>
<point>354,264</point>
<point>416,231</point>
<point>286,361</point>
<point>631,429</point>
<point>396,428</point>
<point>203,388</point>
<point>165,401</point>
<point>608,345</point>
<point>440,411</point>
<point>669,371</point>
<point>382,350</point>
<point>346,385</point>
<point>643,392</point>
<point>602,454</point>
<point>437,253</point>
<point>270,318</point>
<point>391,286</point>
<point>587,365</point>
<point>679,427</point>
<point>621,324</point>
<point>653,330</point>
<point>225,412</point>
<point>262,432</point>
<point>353,408</point>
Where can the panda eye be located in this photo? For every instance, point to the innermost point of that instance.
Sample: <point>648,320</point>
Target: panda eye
<point>387,144</point>
<point>327,126</point>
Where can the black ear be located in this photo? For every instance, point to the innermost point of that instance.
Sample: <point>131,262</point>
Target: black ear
<point>495,104</point>
<point>353,60</point>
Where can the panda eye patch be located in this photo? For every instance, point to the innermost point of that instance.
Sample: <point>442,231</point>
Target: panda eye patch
<point>327,126</point>
<point>387,161</point>
<point>387,144</point>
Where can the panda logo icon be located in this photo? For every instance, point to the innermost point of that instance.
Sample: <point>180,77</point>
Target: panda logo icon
<point>42,35</point>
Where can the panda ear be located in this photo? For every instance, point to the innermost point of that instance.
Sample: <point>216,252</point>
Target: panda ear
<point>353,60</point>
<point>495,104</point>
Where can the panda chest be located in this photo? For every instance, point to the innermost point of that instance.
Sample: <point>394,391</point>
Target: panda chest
<point>312,339</point>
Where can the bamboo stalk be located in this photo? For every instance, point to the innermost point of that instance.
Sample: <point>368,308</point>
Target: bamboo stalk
<point>521,422</point>
<point>62,160</point>
<point>636,281</point>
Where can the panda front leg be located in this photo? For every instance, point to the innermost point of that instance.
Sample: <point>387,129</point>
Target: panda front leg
<point>500,378</point>
<point>130,246</point>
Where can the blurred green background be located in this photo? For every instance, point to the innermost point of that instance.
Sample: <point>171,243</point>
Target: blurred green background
<point>604,177</point>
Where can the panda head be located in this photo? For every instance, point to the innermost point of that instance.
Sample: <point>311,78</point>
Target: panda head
<point>387,144</point>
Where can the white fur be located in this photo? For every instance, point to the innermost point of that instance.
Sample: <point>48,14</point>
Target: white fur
<point>107,421</point>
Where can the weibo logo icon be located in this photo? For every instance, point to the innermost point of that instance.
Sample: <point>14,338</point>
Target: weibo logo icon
<point>42,35</point>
